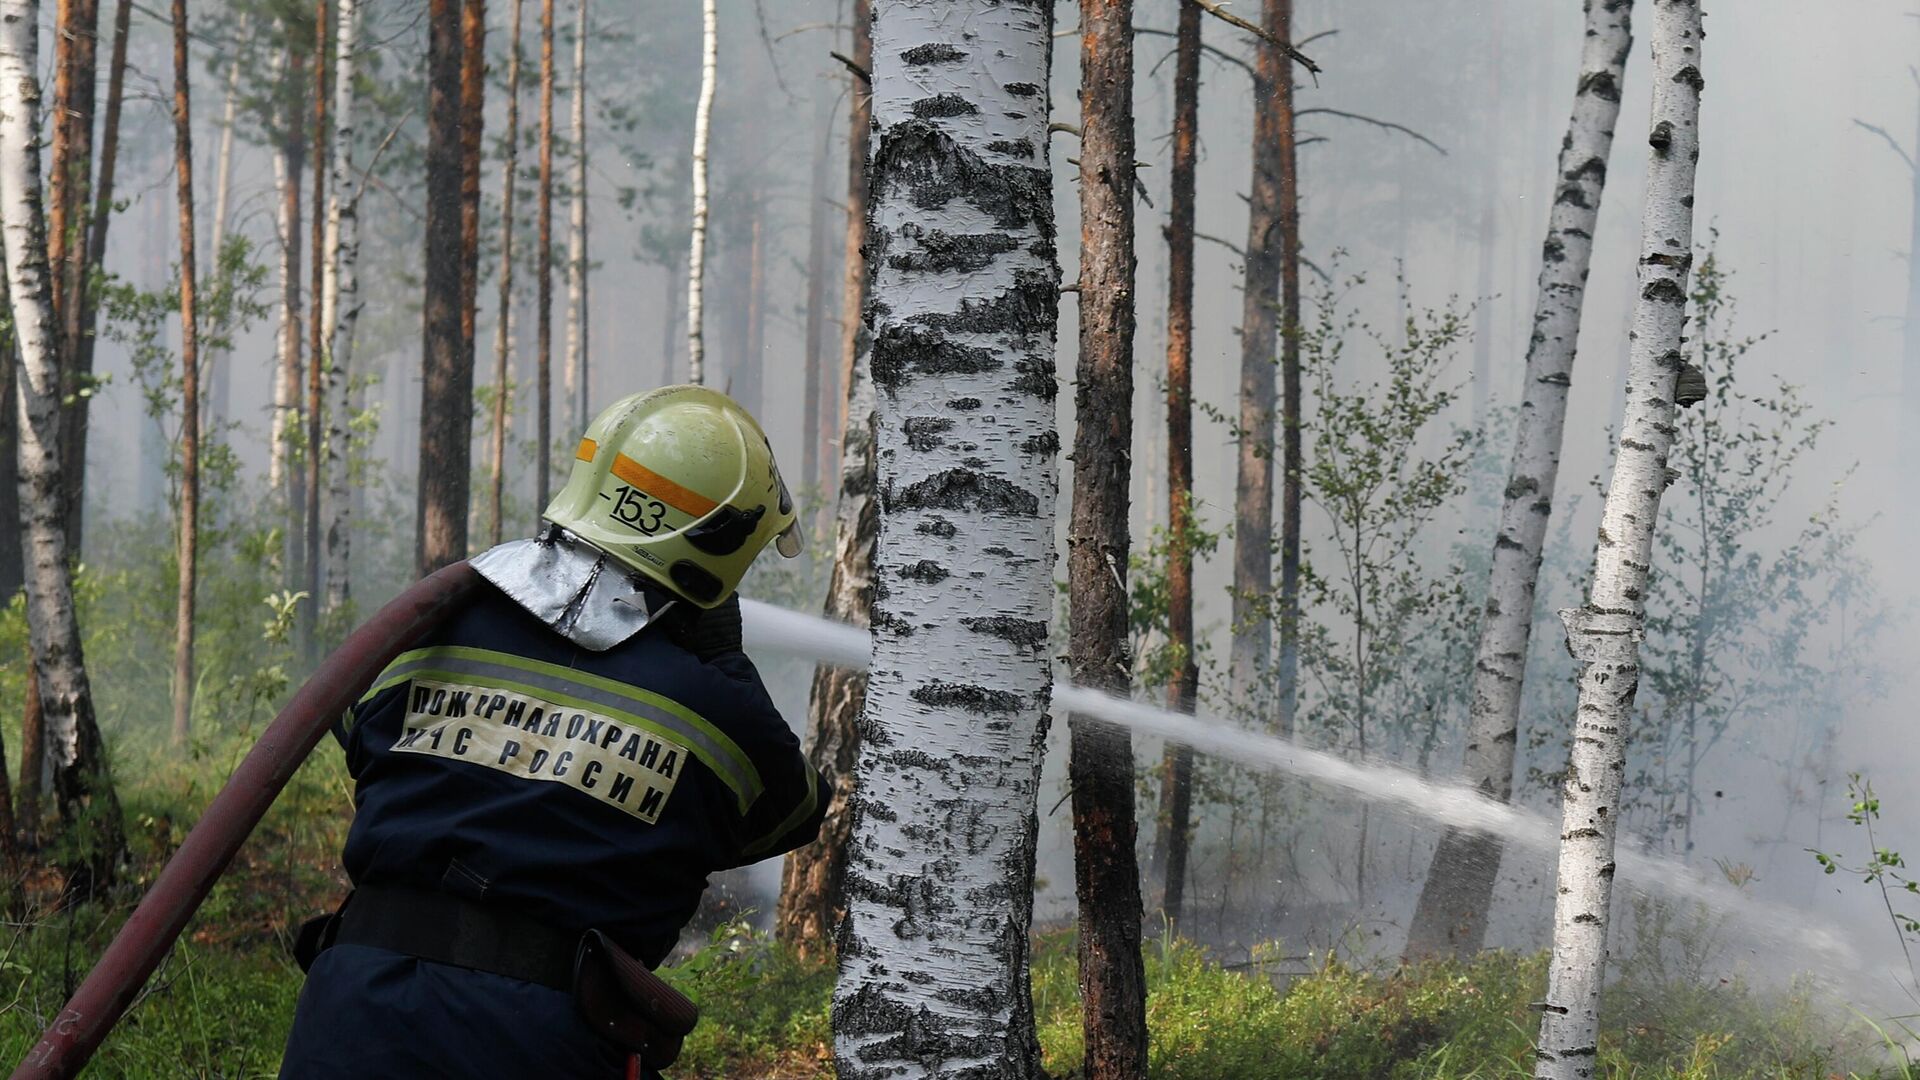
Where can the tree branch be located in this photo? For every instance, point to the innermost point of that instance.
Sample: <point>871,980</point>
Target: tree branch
<point>1891,141</point>
<point>859,72</point>
<point>1387,124</point>
<point>1212,50</point>
<point>1214,8</point>
<point>1228,244</point>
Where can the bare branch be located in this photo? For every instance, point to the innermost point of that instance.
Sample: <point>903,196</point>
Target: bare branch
<point>1215,9</point>
<point>859,72</point>
<point>366,175</point>
<point>1891,141</point>
<point>1228,244</point>
<point>1387,124</point>
<point>1211,50</point>
<point>773,58</point>
<point>805,28</point>
<point>1060,126</point>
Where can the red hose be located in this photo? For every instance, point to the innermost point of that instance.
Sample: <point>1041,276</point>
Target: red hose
<point>187,878</point>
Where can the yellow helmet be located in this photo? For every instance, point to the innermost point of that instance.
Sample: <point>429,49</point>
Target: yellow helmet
<point>680,484</point>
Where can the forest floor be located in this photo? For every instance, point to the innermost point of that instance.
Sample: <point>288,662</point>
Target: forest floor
<point>221,1004</point>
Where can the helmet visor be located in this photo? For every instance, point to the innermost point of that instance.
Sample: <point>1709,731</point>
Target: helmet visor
<point>790,543</point>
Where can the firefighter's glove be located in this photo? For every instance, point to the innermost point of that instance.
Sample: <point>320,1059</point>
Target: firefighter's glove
<point>714,632</point>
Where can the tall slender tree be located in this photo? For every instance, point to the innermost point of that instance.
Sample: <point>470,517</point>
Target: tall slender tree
<point>577,235</point>
<point>1452,913</point>
<point>503,325</point>
<point>318,331</point>
<point>219,397</point>
<point>1113,985</point>
<point>1271,304</point>
<point>76,24</point>
<point>934,973</point>
<point>815,359</point>
<point>340,305</point>
<point>1170,843</point>
<point>747,378</point>
<point>812,892</point>
<point>697,251</point>
<point>446,394</point>
<point>189,385</point>
<point>1605,634</point>
<point>543,347</point>
<point>289,163</point>
<point>473,111</point>
<point>82,786</point>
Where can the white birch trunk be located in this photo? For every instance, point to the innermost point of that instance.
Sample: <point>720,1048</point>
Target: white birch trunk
<point>1605,635</point>
<point>340,306</point>
<point>1453,906</point>
<point>697,253</point>
<point>71,742</point>
<point>576,373</point>
<point>939,886</point>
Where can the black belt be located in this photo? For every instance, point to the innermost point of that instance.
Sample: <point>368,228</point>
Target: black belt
<point>448,929</point>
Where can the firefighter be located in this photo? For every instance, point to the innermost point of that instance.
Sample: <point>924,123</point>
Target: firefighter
<point>542,789</point>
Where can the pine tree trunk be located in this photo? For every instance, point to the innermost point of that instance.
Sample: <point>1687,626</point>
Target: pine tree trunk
<point>75,51</point>
<point>503,328</point>
<point>1451,916</point>
<point>446,406</point>
<point>697,251</point>
<point>543,349</point>
<point>934,973</point>
<point>219,366</point>
<point>183,670</point>
<point>577,238</point>
<point>1268,253</point>
<point>751,373</point>
<point>319,331</point>
<point>282,476</point>
<point>12,568</point>
<point>473,112</point>
<point>1113,988</point>
<point>81,784</point>
<point>816,327</point>
<point>813,886</point>
<point>340,310</point>
<point>1170,843</point>
<point>1605,635</point>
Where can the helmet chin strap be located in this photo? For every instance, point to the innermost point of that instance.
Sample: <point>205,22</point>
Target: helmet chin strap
<point>578,591</point>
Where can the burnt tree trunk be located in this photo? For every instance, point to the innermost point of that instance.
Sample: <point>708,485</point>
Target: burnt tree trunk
<point>1170,843</point>
<point>1279,26</point>
<point>473,106</point>
<point>812,889</point>
<point>446,393</point>
<point>1113,988</point>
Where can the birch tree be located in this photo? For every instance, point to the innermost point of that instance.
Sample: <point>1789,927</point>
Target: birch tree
<point>1113,984</point>
<point>503,325</point>
<point>1605,635</point>
<point>340,306</point>
<point>697,251</point>
<point>934,972</point>
<point>1170,842</point>
<point>288,164</point>
<point>577,236</point>
<point>812,892</point>
<point>71,739</point>
<point>222,373</point>
<point>183,672</point>
<point>1452,911</point>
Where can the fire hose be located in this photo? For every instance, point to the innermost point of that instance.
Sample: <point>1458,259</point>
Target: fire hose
<point>186,879</point>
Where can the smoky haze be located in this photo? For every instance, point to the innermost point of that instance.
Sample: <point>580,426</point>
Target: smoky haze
<point>1812,219</point>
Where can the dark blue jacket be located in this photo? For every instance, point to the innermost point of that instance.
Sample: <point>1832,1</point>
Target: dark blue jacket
<point>502,763</point>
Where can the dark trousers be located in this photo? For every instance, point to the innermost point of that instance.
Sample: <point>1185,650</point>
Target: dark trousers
<point>369,1014</point>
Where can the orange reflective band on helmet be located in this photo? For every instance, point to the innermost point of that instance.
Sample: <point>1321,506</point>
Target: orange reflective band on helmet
<point>683,499</point>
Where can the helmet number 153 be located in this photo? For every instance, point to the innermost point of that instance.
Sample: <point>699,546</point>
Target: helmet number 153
<point>637,510</point>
